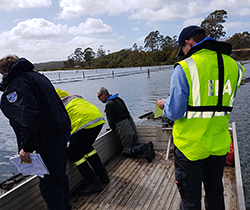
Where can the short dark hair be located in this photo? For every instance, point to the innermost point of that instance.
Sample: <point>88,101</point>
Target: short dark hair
<point>199,37</point>
<point>6,62</point>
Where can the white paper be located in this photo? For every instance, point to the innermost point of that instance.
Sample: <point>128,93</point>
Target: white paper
<point>36,167</point>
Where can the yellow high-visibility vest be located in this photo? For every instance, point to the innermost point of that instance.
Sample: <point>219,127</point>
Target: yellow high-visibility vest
<point>82,114</point>
<point>203,130</point>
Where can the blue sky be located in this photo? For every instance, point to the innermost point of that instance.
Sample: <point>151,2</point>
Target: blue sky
<point>50,30</point>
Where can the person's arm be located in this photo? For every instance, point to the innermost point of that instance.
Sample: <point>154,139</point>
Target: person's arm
<point>175,105</point>
<point>23,113</point>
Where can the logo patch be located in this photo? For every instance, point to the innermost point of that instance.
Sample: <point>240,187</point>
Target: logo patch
<point>12,97</point>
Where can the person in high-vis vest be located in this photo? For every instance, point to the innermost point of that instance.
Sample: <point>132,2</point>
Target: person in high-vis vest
<point>86,123</point>
<point>202,93</point>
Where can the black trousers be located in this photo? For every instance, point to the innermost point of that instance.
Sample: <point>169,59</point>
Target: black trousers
<point>81,144</point>
<point>189,176</point>
<point>55,186</point>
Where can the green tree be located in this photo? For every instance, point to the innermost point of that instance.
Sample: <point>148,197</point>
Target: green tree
<point>69,63</point>
<point>135,47</point>
<point>153,41</point>
<point>100,52</point>
<point>169,43</point>
<point>212,24</point>
<point>240,40</point>
<point>77,56</point>
<point>88,55</point>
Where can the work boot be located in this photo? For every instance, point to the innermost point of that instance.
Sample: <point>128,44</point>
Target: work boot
<point>152,146</point>
<point>105,179</point>
<point>148,151</point>
<point>91,188</point>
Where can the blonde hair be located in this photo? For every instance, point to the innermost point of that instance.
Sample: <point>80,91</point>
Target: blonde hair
<point>6,62</point>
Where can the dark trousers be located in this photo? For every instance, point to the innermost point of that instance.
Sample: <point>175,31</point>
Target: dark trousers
<point>81,143</point>
<point>189,176</point>
<point>55,186</point>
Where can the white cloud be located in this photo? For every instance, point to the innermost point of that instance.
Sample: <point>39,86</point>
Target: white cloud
<point>92,27</point>
<point>38,28</point>
<point>41,40</point>
<point>238,25</point>
<point>122,37</point>
<point>135,29</point>
<point>141,39</point>
<point>152,11</point>
<point>22,4</point>
<point>75,8</point>
<point>192,21</point>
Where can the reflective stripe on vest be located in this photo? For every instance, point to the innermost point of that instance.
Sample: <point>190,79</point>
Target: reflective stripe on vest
<point>240,75</point>
<point>79,162</point>
<point>88,124</point>
<point>67,99</point>
<point>83,115</point>
<point>198,111</point>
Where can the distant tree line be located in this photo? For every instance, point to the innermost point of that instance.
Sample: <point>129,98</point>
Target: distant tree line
<point>158,49</point>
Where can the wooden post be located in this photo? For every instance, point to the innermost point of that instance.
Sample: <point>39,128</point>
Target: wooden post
<point>83,75</point>
<point>148,73</point>
<point>113,74</point>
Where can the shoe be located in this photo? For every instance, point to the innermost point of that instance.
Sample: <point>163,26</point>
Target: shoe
<point>105,179</point>
<point>148,152</point>
<point>91,188</point>
<point>152,146</point>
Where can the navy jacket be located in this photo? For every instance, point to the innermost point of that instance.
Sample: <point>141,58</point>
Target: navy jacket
<point>33,107</point>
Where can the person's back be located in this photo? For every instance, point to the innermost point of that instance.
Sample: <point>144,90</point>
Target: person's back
<point>116,111</point>
<point>83,114</point>
<point>203,126</point>
<point>37,97</point>
<point>203,89</point>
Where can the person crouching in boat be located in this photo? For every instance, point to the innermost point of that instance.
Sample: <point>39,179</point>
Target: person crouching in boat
<point>86,123</point>
<point>119,119</point>
<point>203,89</point>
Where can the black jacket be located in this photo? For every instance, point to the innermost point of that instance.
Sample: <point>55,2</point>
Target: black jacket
<point>33,107</point>
<point>116,111</point>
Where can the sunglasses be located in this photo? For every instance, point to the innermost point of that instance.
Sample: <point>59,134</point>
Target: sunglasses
<point>99,96</point>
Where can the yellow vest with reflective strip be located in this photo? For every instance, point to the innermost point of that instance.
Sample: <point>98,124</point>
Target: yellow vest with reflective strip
<point>82,114</point>
<point>203,130</point>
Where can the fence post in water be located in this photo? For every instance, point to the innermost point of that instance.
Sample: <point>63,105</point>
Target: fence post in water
<point>113,74</point>
<point>59,75</point>
<point>148,73</point>
<point>83,75</point>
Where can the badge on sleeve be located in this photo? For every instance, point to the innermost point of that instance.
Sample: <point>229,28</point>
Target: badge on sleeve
<point>12,97</point>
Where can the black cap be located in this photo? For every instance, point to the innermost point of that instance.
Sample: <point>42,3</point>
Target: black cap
<point>186,34</point>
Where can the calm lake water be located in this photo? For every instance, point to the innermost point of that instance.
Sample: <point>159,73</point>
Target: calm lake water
<point>140,93</point>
